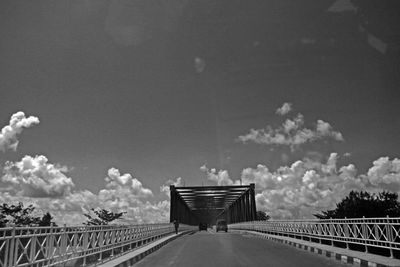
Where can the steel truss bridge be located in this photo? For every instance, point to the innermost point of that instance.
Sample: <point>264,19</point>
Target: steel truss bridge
<point>206,204</point>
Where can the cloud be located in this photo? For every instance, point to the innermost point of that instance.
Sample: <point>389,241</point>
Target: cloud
<point>285,109</point>
<point>36,177</point>
<point>299,190</point>
<point>204,168</point>
<point>165,188</point>
<point>122,192</point>
<point>347,154</point>
<point>117,182</point>
<point>348,172</point>
<point>34,180</point>
<point>125,193</point>
<point>385,173</point>
<point>309,186</point>
<point>199,64</point>
<point>292,133</point>
<point>221,177</point>
<point>10,132</point>
<point>148,212</point>
<point>324,129</point>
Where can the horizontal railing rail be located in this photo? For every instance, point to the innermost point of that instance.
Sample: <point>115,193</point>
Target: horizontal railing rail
<point>75,246</point>
<point>380,233</point>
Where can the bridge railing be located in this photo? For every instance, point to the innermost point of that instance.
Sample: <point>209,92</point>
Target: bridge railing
<point>371,234</point>
<point>75,246</point>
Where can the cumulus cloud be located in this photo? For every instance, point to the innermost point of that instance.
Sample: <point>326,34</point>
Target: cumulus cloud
<point>117,182</point>
<point>292,133</point>
<point>204,168</point>
<point>221,177</point>
<point>308,186</point>
<point>148,212</point>
<point>385,172</point>
<point>324,129</point>
<point>285,109</point>
<point>165,188</point>
<point>36,177</point>
<point>34,180</point>
<point>298,190</point>
<point>10,132</point>
<point>124,193</point>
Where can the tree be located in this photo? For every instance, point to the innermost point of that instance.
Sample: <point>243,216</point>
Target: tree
<point>3,220</point>
<point>22,216</point>
<point>104,217</point>
<point>47,220</point>
<point>364,204</point>
<point>18,215</point>
<point>262,216</point>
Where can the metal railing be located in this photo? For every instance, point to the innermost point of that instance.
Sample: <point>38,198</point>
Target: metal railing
<point>75,246</point>
<point>367,233</point>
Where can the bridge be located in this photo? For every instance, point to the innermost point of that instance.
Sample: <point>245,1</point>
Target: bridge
<point>206,204</point>
<point>362,241</point>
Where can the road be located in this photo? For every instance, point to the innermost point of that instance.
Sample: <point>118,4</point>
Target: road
<point>231,249</point>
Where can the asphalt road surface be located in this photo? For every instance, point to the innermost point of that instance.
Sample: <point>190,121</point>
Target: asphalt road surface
<point>231,249</point>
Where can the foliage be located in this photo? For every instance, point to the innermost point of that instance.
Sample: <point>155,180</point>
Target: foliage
<point>262,216</point>
<point>19,215</point>
<point>104,217</point>
<point>364,204</point>
<point>47,220</point>
<point>3,220</point>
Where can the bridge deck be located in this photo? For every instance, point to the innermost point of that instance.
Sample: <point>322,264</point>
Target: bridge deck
<point>231,249</point>
<point>357,257</point>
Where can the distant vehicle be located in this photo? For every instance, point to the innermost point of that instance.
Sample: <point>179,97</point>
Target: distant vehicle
<point>202,226</point>
<point>221,226</point>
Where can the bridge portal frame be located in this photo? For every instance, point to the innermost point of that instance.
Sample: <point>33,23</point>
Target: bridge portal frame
<point>205,204</point>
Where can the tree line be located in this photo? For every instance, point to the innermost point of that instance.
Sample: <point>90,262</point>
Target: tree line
<point>357,204</point>
<point>18,215</point>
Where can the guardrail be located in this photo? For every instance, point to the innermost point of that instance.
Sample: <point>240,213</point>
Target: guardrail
<point>371,234</point>
<point>75,246</point>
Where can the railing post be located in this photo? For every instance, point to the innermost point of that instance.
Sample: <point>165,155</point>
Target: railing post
<point>112,236</point>
<point>319,232</point>
<point>85,245</point>
<point>331,231</point>
<point>63,242</point>
<point>50,244</point>
<point>12,249</point>
<point>346,232</point>
<point>7,252</point>
<point>101,240</point>
<point>33,247</point>
<point>365,234</point>
<point>389,236</point>
<point>75,240</point>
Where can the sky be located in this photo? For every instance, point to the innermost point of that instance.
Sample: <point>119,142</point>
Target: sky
<point>104,104</point>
